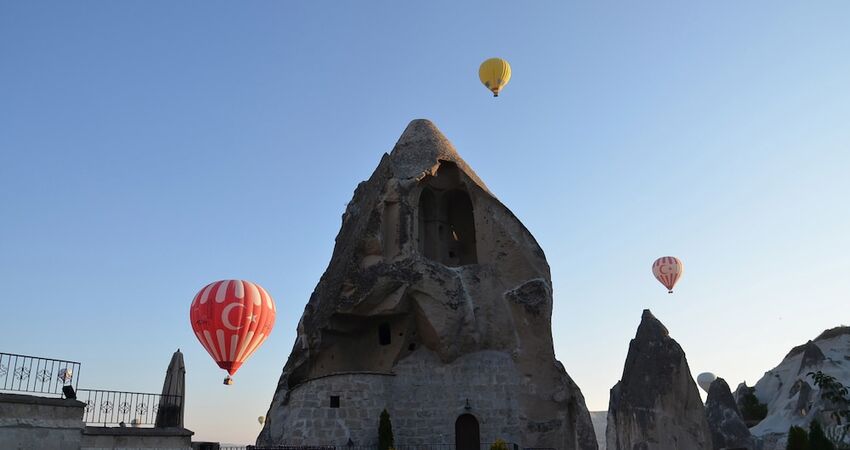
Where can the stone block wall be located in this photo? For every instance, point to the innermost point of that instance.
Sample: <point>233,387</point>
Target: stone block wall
<point>423,396</point>
<point>102,438</point>
<point>30,422</point>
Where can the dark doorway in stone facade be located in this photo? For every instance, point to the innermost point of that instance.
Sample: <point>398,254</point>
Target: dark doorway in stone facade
<point>467,436</point>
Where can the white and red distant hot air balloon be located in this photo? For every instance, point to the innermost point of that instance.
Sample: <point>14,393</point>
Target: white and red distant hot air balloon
<point>232,318</point>
<point>668,270</point>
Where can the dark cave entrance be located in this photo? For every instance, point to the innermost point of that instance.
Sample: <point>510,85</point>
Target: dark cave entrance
<point>446,219</point>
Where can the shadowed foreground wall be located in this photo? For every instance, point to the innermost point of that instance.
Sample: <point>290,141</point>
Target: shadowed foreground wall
<point>30,422</point>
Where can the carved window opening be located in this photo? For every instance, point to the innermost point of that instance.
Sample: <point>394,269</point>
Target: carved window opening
<point>446,219</point>
<point>384,334</point>
<point>460,229</point>
<point>334,401</point>
<point>428,225</point>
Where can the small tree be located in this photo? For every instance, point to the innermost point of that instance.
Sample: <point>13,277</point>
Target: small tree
<point>500,444</point>
<point>798,439</point>
<point>837,434</point>
<point>817,438</point>
<point>751,408</point>
<point>385,432</point>
<point>835,394</point>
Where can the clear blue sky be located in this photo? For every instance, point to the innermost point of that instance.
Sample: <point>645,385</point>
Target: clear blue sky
<point>148,148</point>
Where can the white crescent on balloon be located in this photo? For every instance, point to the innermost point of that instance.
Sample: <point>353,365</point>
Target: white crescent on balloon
<point>225,316</point>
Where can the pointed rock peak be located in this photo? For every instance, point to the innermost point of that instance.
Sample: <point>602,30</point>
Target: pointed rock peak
<point>725,421</point>
<point>719,392</point>
<point>809,347</point>
<point>812,356</point>
<point>423,130</point>
<point>650,328</point>
<point>420,149</point>
<point>833,332</point>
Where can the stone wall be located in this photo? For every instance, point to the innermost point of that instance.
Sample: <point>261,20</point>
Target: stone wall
<point>102,438</point>
<point>30,422</point>
<point>423,396</point>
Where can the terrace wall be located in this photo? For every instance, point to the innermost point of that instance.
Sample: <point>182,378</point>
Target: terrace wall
<point>31,422</point>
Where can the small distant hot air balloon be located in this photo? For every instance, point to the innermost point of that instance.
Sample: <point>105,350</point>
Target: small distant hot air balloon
<point>668,270</point>
<point>261,419</point>
<point>66,374</point>
<point>495,74</point>
<point>231,318</point>
<point>705,379</point>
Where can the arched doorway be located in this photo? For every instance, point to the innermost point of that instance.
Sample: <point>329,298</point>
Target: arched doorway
<point>467,436</point>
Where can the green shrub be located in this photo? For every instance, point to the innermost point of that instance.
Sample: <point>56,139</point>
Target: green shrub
<point>837,434</point>
<point>385,432</point>
<point>836,395</point>
<point>798,439</point>
<point>751,408</point>
<point>817,438</point>
<point>499,445</point>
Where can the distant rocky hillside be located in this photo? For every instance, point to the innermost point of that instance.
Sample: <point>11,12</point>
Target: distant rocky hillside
<point>787,390</point>
<point>790,395</point>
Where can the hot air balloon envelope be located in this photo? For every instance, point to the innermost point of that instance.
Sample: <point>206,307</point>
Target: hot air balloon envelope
<point>668,270</point>
<point>705,379</point>
<point>231,318</point>
<point>494,73</point>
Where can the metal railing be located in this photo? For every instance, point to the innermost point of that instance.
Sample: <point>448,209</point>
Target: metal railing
<point>22,373</point>
<point>130,408</point>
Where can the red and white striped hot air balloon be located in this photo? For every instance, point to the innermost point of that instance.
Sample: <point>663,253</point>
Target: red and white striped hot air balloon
<point>232,318</point>
<point>668,270</point>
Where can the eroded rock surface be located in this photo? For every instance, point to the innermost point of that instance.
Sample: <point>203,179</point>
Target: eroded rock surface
<point>724,419</point>
<point>656,405</point>
<point>436,304</point>
<point>789,392</point>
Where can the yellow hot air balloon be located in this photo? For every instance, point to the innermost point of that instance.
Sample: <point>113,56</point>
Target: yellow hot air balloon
<point>495,74</point>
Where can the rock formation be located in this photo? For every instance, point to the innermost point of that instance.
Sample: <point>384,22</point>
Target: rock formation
<point>656,405</point>
<point>812,357</point>
<point>436,305</point>
<point>600,421</point>
<point>790,394</point>
<point>724,419</point>
<point>739,393</point>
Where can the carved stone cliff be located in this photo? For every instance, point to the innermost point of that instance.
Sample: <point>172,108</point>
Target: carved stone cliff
<point>436,305</point>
